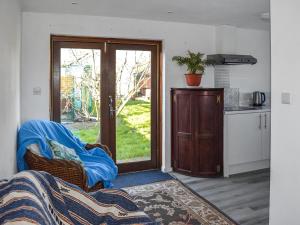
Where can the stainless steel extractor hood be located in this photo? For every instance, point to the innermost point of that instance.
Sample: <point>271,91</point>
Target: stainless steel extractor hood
<point>231,59</point>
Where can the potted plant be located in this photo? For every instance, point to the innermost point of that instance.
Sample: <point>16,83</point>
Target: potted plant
<point>196,65</point>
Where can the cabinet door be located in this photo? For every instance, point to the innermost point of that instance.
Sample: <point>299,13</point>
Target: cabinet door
<point>244,138</point>
<point>266,135</point>
<point>182,134</point>
<point>207,120</point>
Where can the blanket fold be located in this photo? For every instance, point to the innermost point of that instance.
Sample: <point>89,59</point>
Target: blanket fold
<point>98,165</point>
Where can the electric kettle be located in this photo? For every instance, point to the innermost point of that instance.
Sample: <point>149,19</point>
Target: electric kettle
<point>259,98</point>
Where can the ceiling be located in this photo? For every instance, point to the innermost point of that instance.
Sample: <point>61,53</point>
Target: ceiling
<point>240,13</point>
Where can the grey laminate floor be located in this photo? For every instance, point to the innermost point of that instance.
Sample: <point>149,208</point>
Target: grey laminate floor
<point>243,197</point>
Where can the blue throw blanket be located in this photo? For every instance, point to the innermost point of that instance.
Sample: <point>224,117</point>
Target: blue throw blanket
<point>97,163</point>
<point>33,197</point>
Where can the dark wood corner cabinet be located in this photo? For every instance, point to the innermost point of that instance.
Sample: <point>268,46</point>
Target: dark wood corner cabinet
<point>197,131</point>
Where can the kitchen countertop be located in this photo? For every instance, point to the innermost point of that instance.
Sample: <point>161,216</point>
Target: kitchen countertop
<point>246,109</point>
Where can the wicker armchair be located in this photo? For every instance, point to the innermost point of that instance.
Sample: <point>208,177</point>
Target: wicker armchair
<point>66,170</point>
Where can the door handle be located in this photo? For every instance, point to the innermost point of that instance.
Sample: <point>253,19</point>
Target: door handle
<point>265,120</point>
<point>111,106</point>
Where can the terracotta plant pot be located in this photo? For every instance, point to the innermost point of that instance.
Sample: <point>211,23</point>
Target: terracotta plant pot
<point>193,79</point>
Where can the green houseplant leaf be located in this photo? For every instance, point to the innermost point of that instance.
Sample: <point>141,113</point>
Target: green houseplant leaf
<point>194,62</point>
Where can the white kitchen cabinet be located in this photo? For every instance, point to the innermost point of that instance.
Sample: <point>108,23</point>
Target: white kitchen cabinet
<point>244,138</point>
<point>246,141</point>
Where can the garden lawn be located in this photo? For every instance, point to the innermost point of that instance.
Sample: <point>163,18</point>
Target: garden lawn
<point>87,135</point>
<point>133,131</point>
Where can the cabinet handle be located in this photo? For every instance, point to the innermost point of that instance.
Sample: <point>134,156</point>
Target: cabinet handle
<point>265,120</point>
<point>260,121</point>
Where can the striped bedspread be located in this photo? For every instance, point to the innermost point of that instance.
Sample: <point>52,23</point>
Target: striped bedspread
<point>33,197</point>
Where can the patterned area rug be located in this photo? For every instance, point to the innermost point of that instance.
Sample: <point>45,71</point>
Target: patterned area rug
<point>171,203</point>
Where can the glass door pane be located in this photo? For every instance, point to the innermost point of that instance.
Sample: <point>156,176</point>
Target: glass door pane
<point>133,106</point>
<point>108,92</point>
<point>80,92</point>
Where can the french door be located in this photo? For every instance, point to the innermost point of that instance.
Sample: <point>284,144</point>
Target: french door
<point>108,91</point>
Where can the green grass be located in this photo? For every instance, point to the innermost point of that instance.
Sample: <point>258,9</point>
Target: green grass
<point>133,131</point>
<point>88,135</point>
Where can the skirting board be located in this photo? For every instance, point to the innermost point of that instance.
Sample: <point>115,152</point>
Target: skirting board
<point>166,169</point>
<point>246,167</point>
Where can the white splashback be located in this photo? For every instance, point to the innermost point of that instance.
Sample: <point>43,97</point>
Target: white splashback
<point>222,79</point>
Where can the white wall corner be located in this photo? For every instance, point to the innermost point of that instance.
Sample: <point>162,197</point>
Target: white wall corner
<point>226,39</point>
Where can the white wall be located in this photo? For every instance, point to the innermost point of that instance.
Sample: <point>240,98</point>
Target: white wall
<point>285,154</point>
<point>249,78</point>
<point>176,37</point>
<point>10,36</point>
